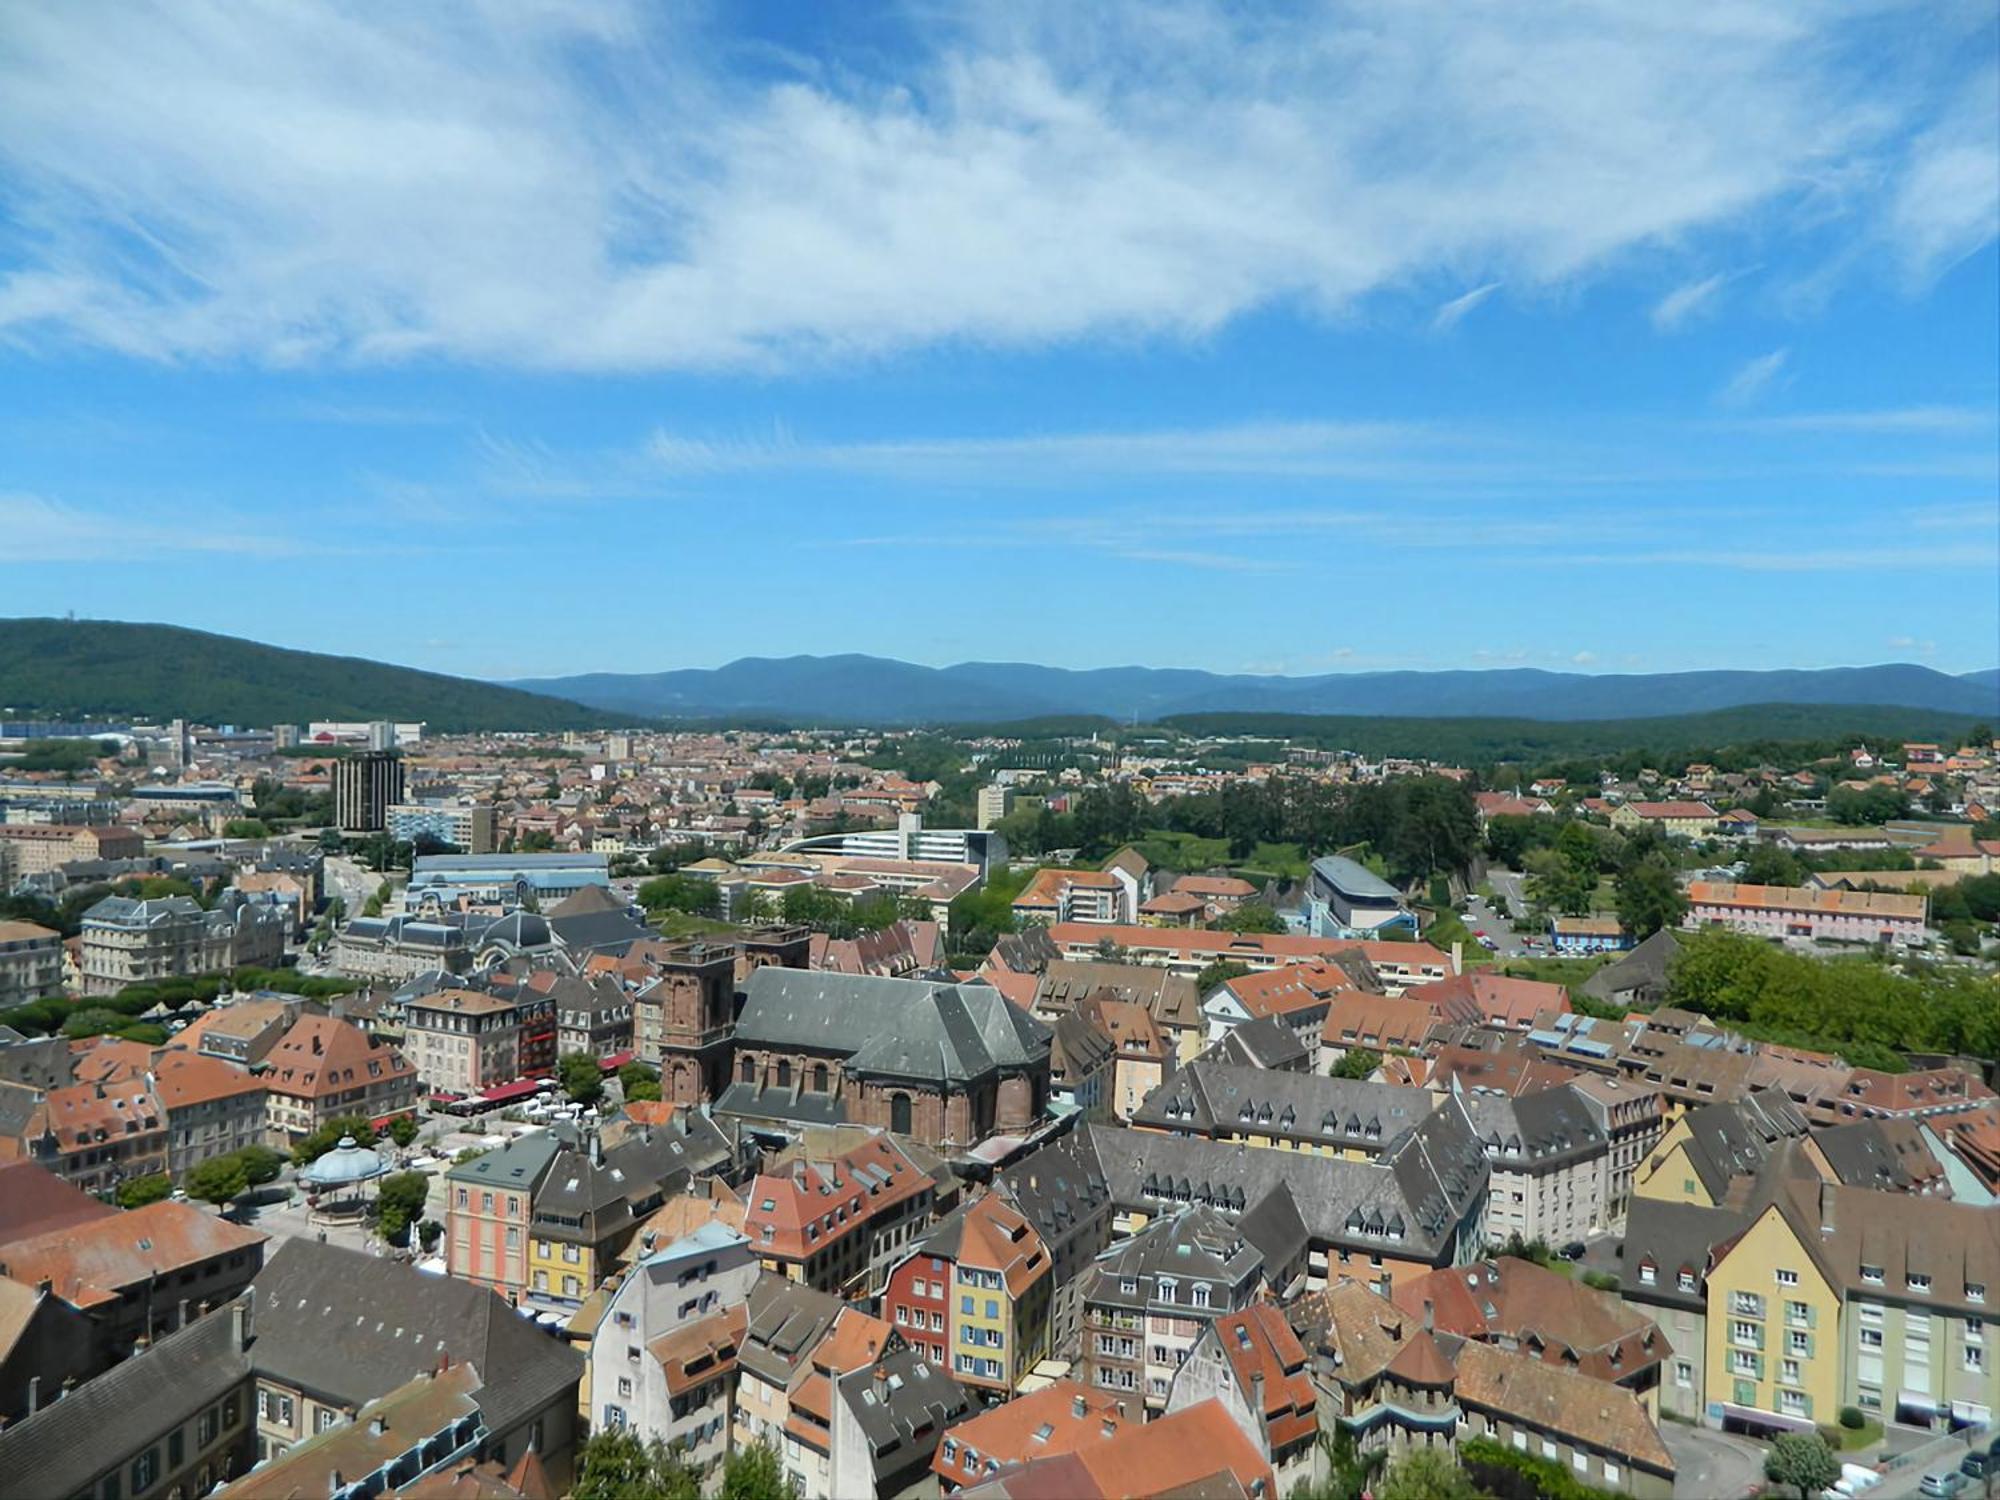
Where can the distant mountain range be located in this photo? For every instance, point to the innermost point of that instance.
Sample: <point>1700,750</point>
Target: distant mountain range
<point>877,690</point>
<point>64,668</point>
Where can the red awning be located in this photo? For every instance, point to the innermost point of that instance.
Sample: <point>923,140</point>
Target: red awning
<point>615,1061</point>
<point>507,1092</point>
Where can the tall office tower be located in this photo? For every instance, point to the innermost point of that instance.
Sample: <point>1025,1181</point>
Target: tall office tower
<point>363,788</point>
<point>381,735</point>
<point>284,736</point>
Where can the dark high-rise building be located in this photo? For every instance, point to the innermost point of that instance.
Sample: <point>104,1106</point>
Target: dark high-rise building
<point>363,788</point>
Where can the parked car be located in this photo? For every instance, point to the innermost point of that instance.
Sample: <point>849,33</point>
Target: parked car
<point>1943,1483</point>
<point>1978,1465</point>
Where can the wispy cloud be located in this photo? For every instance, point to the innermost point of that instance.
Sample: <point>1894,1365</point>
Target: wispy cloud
<point>605,186</point>
<point>1684,302</point>
<point>1450,314</point>
<point>1752,378</point>
<point>1908,421</point>
<point>39,530</point>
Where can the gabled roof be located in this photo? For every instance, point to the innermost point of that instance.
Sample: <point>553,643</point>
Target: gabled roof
<point>902,1028</point>
<point>64,1447</point>
<point>94,1261</point>
<point>351,1327</point>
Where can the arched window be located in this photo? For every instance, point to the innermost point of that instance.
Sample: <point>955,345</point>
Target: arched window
<point>819,1078</point>
<point>784,1075</point>
<point>899,1113</point>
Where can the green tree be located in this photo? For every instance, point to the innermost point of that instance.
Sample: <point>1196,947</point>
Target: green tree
<point>1426,1474</point>
<point>754,1473</point>
<point>636,1073</point>
<point>260,1165</point>
<point>1767,864</point>
<point>1650,897</point>
<point>1357,1062</point>
<point>1218,973</point>
<point>137,1192</point>
<point>399,1202</point>
<point>403,1130</point>
<point>581,1076</point>
<point>1556,885</point>
<point>616,1464</point>
<point>1252,916</point>
<point>219,1180</point>
<point>429,1233</point>
<point>1349,1470</point>
<point>1803,1461</point>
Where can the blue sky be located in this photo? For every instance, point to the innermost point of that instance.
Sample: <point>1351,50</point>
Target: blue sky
<point>515,339</point>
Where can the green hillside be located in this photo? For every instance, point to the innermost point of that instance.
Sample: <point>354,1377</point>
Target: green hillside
<point>1481,741</point>
<point>65,668</point>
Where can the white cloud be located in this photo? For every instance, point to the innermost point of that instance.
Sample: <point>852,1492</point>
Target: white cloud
<point>1909,421</point>
<point>39,530</point>
<point>1584,658</point>
<point>1683,302</point>
<point>1947,200</point>
<point>1752,378</point>
<point>607,186</point>
<point>1450,314</point>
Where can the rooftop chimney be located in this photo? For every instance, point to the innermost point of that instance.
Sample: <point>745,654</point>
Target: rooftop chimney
<point>184,1314</point>
<point>1078,1406</point>
<point>243,1318</point>
<point>1257,1394</point>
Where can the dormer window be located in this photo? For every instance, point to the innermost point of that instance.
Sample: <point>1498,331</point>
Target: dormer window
<point>1872,1275</point>
<point>1918,1283</point>
<point>1975,1291</point>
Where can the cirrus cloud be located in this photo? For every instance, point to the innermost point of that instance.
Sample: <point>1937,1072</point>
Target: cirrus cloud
<point>614,186</point>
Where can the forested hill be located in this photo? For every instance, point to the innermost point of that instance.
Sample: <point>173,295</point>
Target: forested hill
<point>63,668</point>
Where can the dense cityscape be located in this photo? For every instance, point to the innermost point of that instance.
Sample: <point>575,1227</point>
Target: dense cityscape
<point>1145,750</point>
<point>862,1112</point>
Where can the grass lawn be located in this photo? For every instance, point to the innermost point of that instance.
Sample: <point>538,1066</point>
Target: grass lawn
<point>1182,851</point>
<point>1867,1434</point>
<point>1187,852</point>
<point>1564,971</point>
<point>680,924</point>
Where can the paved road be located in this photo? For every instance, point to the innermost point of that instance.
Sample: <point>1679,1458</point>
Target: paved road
<point>1712,1465</point>
<point>346,879</point>
<point>1482,916</point>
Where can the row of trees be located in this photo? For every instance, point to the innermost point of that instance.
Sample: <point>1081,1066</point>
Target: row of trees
<point>1860,1006</point>
<point>617,1464</point>
<point>1418,825</point>
<point>1563,873</point>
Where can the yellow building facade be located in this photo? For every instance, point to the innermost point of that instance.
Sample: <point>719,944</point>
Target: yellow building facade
<point>1773,1328</point>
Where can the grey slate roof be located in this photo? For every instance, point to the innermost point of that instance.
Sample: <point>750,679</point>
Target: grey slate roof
<point>1261,1042</point>
<point>1212,1098</point>
<point>796,1105</point>
<point>1533,1132</point>
<point>351,1327</point>
<point>515,1167</point>
<point>1672,1237</point>
<point>1061,1189</point>
<point>902,1406</point>
<point>1078,1047</point>
<point>1195,1244</point>
<point>1734,1138</point>
<point>902,1028</point>
<point>62,1449</point>
<point>1413,1197</point>
<point>598,931</point>
<point>1641,971</point>
<point>785,1322</point>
